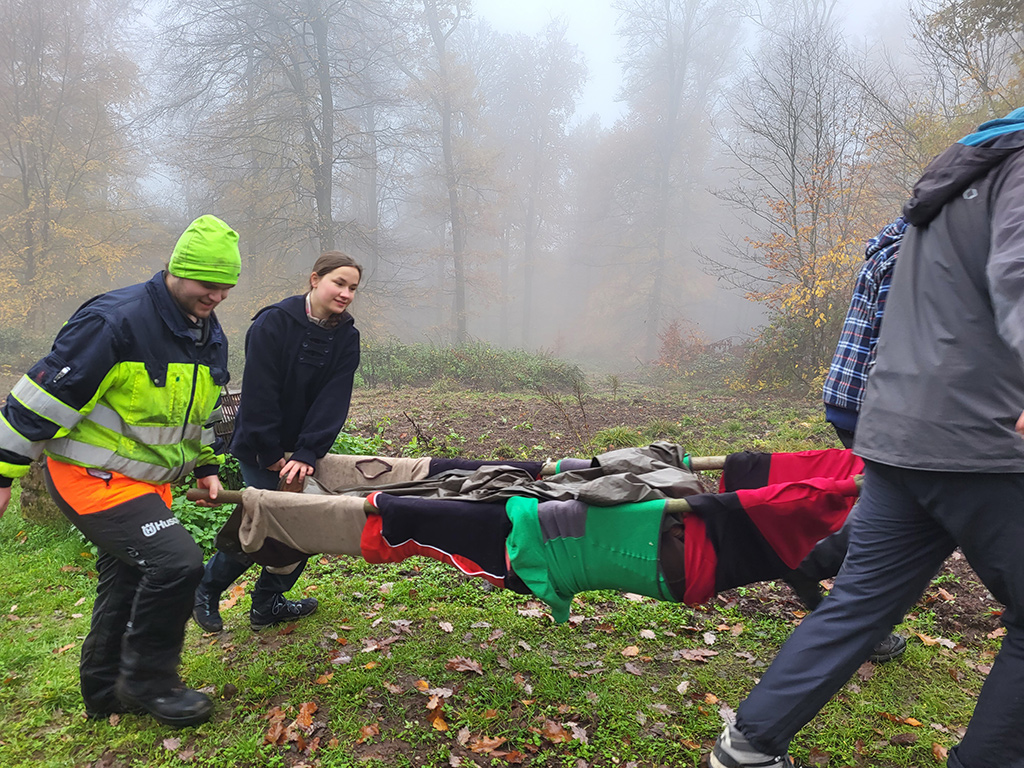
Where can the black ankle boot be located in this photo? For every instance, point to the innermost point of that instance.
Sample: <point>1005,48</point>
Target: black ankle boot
<point>206,610</point>
<point>273,608</point>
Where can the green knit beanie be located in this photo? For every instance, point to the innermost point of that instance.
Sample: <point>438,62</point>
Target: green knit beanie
<point>207,251</point>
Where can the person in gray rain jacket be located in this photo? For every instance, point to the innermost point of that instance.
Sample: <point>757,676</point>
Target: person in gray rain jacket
<point>941,436</point>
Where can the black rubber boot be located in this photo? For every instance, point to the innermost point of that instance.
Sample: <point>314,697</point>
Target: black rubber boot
<point>101,652</point>
<point>178,707</point>
<point>150,683</point>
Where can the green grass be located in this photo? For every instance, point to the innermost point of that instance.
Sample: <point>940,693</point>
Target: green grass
<point>419,615</point>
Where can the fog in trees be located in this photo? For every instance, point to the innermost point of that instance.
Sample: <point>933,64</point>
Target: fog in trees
<point>757,145</point>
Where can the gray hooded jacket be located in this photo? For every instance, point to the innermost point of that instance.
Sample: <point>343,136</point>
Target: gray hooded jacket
<point>948,385</point>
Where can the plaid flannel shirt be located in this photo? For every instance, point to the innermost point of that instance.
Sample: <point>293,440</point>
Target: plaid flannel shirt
<point>855,353</point>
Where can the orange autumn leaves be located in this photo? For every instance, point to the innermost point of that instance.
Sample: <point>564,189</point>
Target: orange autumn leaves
<point>298,732</point>
<point>435,699</point>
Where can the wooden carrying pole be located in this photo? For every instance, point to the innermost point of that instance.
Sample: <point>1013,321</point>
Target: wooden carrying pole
<point>224,497</point>
<point>704,463</point>
<point>697,463</point>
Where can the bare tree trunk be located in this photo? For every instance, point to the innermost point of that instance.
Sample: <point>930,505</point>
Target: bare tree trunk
<point>323,178</point>
<point>503,332</point>
<point>451,178</point>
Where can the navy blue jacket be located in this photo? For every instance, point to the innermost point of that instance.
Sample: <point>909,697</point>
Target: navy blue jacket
<point>296,387</point>
<point>140,325</point>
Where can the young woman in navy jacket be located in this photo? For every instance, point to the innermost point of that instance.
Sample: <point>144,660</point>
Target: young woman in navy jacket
<point>300,358</point>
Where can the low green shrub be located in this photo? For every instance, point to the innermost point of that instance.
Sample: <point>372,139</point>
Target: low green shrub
<point>476,366</point>
<point>203,523</point>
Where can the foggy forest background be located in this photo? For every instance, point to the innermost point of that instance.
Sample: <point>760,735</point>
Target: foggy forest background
<point>758,149</point>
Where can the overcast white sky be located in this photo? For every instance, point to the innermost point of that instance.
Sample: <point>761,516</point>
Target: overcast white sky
<point>591,25</point>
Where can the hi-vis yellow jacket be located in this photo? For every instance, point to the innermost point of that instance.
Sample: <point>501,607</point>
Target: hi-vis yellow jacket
<point>125,388</point>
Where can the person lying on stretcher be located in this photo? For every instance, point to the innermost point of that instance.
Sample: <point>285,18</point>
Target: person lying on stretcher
<point>559,535</point>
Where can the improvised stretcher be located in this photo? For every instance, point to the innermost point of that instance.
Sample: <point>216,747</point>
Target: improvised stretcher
<point>633,520</point>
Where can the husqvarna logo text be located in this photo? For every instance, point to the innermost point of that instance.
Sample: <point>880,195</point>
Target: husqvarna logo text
<point>151,529</point>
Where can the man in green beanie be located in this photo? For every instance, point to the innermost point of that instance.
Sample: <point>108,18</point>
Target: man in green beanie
<point>121,407</point>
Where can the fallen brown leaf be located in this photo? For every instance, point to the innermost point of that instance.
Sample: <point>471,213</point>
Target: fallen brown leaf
<point>553,732</point>
<point>697,654</point>
<point>275,733</point>
<point>305,718</point>
<point>236,592</point>
<point>462,664</point>
<point>367,732</point>
<point>485,744</point>
<point>436,719</point>
<point>940,753</point>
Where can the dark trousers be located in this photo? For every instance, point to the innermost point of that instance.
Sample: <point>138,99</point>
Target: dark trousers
<point>824,562</point>
<point>224,568</point>
<point>845,436</point>
<point>908,522</point>
<point>148,567</point>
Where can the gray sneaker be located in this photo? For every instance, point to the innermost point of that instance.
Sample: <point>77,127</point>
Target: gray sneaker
<point>733,751</point>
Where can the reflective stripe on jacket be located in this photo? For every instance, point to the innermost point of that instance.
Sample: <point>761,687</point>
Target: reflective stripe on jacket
<point>125,388</point>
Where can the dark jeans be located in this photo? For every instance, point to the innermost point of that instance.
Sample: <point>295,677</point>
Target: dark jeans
<point>845,436</point>
<point>148,567</point>
<point>224,567</point>
<point>908,522</point>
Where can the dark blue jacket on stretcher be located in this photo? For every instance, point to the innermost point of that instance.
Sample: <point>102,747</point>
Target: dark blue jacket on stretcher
<point>296,387</point>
